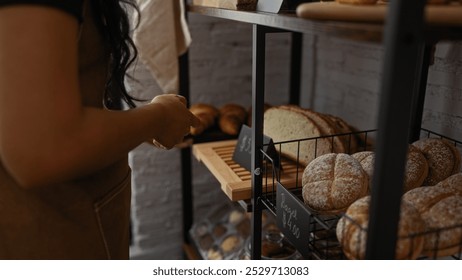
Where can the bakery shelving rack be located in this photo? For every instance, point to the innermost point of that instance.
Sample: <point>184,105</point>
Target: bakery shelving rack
<point>408,43</point>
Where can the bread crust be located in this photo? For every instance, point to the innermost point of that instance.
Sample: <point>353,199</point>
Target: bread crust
<point>351,231</point>
<point>207,114</point>
<point>332,182</point>
<point>441,209</point>
<point>453,182</point>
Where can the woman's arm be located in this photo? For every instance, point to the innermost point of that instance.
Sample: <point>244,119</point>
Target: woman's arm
<point>46,135</point>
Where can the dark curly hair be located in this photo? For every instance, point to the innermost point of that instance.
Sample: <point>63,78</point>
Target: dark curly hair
<point>114,23</point>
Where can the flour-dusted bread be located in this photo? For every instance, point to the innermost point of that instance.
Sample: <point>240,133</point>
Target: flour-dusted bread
<point>441,210</point>
<point>231,118</point>
<point>283,124</point>
<point>442,157</point>
<point>352,231</point>
<point>207,114</point>
<point>453,182</point>
<point>332,182</point>
<point>416,169</point>
<point>366,159</point>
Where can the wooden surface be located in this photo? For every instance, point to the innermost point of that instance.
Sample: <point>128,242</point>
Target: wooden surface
<point>436,15</point>
<point>227,4</point>
<point>235,181</point>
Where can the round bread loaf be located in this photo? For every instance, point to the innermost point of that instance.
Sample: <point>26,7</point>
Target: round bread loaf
<point>332,182</point>
<point>352,231</point>
<point>453,182</point>
<point>441,210</point>
<point>442,157</point>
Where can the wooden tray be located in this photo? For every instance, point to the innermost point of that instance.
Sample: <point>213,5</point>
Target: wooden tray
<point>438,15</point>
<point>235,180</point>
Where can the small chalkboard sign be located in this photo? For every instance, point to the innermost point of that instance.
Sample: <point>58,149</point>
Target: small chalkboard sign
<point>243,151</point>
<point>293,219</point>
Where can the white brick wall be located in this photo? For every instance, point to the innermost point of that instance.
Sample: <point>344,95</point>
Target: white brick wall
<point>339,77</point>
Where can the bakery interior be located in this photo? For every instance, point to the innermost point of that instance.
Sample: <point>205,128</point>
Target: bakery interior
<point>324,110</point>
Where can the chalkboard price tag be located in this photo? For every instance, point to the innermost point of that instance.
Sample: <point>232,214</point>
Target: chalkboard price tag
<point>243,151</point>
<point>293,219</point>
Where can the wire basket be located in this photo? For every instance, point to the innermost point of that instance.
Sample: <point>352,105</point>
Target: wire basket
<point>322,242</point>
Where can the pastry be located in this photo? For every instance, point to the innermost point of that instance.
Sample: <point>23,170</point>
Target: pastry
<point>441,210</point>
<point>231,118</point>
<point>442,157</point>
<point>332,182</point>
<point>351,231</point>
<point>207,114</point>
<point>230,244</point>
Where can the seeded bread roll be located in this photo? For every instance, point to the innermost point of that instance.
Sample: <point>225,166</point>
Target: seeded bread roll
<point>207,114</point>
<point>441,210</point>
<point>332,182</point>
<point>284,124</point>
<point>442,157</point>
<point>416,169</point>
<point>231,118</point>
<point>352,231</point>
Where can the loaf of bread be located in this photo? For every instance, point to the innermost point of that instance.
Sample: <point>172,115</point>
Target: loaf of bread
<point>351,231</point>
<point>366,159</point>
<point>442,157</point>
<point>332,182</point>
<point>231,118</point>
<point>316,133</point>
<point>207,114</point>
<point>441,210</point>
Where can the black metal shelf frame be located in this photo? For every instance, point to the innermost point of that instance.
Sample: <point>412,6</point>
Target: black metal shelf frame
<point>408,50</point>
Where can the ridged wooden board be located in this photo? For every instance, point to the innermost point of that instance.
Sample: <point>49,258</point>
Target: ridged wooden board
<point>439,15</point>
<point>235,181</point>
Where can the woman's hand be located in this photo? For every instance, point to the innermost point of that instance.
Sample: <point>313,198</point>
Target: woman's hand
<point>175,121</point>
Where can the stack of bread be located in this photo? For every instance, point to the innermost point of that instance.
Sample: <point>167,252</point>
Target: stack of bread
<point>290,122</point>
<point>431,211</point>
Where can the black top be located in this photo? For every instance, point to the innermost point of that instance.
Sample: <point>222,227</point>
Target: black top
<point>74,7</point>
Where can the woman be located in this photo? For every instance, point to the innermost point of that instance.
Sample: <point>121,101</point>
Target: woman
<point>64,177</point>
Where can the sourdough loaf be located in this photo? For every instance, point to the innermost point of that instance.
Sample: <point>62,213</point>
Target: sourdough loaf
<point>351,231</point>
<point>441,210</point>
<point>332,182</point>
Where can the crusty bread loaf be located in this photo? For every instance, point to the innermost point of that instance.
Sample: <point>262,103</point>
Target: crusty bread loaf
<point>350,140</point>
<point>282,124</point>
<point>442,157</point>
<point>207,114</point>
<point>453,182</point>
<point>332,182</point>
<point>366,159</point>
<point>352,231</point>
<point>441,210</point>
<point>231,118</point>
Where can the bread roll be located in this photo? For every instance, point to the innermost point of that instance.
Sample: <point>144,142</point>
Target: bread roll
<point>332,182</point>
<point>366,159</point>
<point>231,118</point>
<point>441,210</point>
<point>416,169</point>
<point>352,231</point>
<point>207,114</point>
<point>442,157</point>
